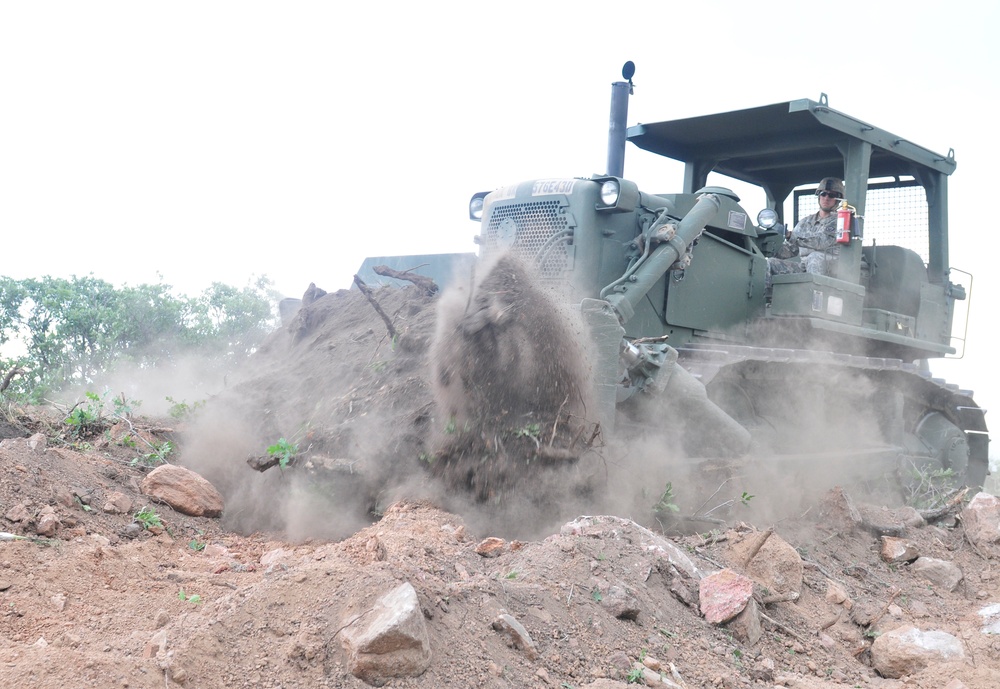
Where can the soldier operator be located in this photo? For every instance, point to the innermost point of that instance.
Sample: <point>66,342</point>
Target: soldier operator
<point>812,246</point>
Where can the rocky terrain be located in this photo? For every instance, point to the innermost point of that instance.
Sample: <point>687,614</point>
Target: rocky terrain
<point>355,565</point>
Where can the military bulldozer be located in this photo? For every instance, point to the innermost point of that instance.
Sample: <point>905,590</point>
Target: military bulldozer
<point>688,333</point>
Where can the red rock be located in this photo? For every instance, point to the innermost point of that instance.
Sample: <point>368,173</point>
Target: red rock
<point>490,547</point>
<point>723,595</point>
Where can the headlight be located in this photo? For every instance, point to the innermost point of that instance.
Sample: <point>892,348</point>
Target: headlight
<point>609,192</point>
<point>476,206</point>
<point>767,218</point>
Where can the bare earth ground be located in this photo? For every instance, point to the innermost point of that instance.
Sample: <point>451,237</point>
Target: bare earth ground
<point>259,598</point>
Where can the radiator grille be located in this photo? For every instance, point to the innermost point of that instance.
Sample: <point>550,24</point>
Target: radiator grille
<point>538,233</point>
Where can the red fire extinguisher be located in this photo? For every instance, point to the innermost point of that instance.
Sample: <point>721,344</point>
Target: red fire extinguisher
<point>845,215</point>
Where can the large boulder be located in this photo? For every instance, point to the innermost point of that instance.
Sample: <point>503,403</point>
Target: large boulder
<point>391,640</point>
<point>942,573</point>
<point>982,519</point>
<point>184,490</point>
<point>906,650</point>
<point>777,566</point>
<point>724,595</point>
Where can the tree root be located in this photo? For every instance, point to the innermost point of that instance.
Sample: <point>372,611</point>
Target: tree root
<point>426,284</point>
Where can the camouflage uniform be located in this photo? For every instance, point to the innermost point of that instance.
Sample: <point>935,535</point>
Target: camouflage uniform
<point>814,242</point>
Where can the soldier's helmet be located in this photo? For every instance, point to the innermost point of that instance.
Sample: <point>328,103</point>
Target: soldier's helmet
<point>831,184</point>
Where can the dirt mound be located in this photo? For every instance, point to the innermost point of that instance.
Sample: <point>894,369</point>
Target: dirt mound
<point>490,422</point>
<point>355,402</point>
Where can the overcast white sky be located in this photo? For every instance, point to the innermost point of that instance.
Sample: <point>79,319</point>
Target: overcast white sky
<point>215,141</point>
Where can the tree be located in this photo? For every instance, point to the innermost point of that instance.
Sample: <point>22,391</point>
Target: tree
<point>73,329</point>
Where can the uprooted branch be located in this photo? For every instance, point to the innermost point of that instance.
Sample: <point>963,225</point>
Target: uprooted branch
<point>5,383</point>
<point>426,284</point>
<point>366,290</point>
<point>954,504</point>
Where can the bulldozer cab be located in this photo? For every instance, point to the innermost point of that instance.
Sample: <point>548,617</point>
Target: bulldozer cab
<point>892,278</point>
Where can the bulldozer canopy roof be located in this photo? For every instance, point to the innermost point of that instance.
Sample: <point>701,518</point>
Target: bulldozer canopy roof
<point>784,145</point>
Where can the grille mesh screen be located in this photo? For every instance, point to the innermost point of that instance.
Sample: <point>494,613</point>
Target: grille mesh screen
<point>894,215</point>
<point>537,233</point>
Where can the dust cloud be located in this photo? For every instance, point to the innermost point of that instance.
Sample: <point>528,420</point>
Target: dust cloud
<point>481,404</point>
<point>189,379</point>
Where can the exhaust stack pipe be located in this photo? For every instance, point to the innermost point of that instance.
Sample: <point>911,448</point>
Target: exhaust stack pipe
<point>620,91</point>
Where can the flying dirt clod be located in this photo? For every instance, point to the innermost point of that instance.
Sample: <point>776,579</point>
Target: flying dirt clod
<point>510,374</point>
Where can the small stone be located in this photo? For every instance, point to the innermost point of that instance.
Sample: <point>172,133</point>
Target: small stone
<point>490,547</point>
<point>63,497</point>
<point>518,635</point>
<point>909,516</point>
<point>37,442</point>
<point>620,660</point>
<point>161,620</point>
<point>18,513</point>
<point>58,602</point>
<point>939,572</point>
<point>117,503</point>
<point>620,603</point>
<point>215,550</point>
<point>69,639</point>
<point>276,557</point>
<point>48,522</point>
<point>157,644</point>
<point>763,670</point>
<point>835,593</point>
<point>897,550</point>
<point>177,673</point>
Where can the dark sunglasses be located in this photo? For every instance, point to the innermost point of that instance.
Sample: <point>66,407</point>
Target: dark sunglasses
<point>829,194</point>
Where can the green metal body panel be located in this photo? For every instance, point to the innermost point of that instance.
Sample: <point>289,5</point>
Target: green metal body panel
<point>719,267</point>
<point>817,296</point>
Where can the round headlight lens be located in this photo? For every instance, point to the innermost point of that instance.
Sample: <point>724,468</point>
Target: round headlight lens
<point>476,208</point>
<point>609,192</point>
<point>767,218</point>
